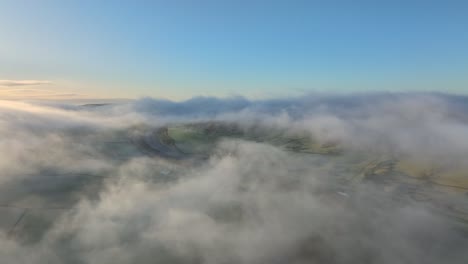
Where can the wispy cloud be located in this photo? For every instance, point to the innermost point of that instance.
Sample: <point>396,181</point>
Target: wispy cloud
<point>76,186</point>
<point>33,89</point>
<point>13,83</point>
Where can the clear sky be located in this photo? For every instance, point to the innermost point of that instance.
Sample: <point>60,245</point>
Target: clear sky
<point>177,49</point>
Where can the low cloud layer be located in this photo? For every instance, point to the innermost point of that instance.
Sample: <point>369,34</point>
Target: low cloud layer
<point>77,186</point>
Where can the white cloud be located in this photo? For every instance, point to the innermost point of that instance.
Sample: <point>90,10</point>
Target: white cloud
<point>249,202</point>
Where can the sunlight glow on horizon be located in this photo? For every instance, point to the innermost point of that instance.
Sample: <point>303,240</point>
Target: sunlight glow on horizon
<point>180,50</point>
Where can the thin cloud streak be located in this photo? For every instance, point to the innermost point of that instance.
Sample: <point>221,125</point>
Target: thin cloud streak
<point>14,83</point>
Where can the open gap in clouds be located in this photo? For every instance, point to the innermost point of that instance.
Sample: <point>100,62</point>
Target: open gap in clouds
<point>384,121</point>
<point>78,185</point>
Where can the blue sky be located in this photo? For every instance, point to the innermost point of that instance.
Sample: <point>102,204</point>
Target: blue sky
<point>178,49</point>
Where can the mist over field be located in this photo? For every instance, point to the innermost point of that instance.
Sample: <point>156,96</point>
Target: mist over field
<point>359,178</point>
